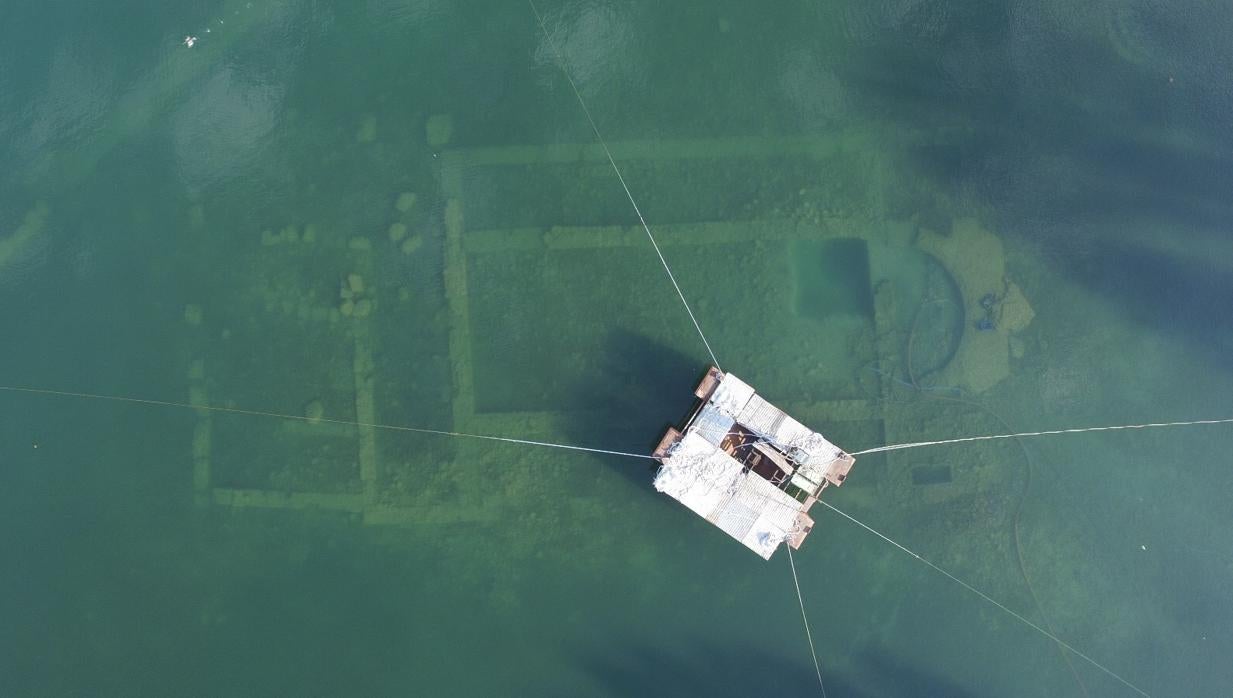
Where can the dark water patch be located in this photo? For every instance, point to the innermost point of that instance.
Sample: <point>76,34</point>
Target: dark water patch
<point>646,387</point>
<point>931,475</point>
<point>1061,126</point>
<point>1186,296</point>
<point>1071,138</point>
<point>832,278</point>
<point>895,676</point>
<point>709,669</point>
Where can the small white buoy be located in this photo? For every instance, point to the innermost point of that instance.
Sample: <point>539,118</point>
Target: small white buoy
<point>1143,547</point>
<point>189,41</point>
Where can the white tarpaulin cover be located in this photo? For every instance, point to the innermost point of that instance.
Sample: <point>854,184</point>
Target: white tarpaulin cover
<point>731,396</point>
<point>715,486</point>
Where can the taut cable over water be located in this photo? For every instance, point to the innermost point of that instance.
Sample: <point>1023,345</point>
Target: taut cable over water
<point>1082,430</point>
<point>612,161</point>
<point>990,599</point>
<point>1027,486</point>
<point>808,635</point>
<point>301,418</point>
<point>529,442</point>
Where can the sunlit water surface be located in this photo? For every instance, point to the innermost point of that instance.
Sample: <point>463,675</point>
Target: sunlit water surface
<point>395,211</point>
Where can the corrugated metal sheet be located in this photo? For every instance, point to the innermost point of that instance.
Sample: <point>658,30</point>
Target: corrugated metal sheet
<point>713,425</point>
<point>731,395</point>
<point>761,416</point>
<point>736,515</point>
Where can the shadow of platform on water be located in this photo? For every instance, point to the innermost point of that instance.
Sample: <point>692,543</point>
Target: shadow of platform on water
<point>640,387</point>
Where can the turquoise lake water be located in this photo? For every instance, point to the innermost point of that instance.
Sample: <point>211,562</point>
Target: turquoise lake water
<point>395,211</point>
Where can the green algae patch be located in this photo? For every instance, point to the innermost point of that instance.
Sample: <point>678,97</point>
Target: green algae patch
<point>31,228</point>
<point>440,128</point>
<point>367,132</point>
<point>192,314</point>
<point>411,244</point>
<point>406,201</point>
<point>831,278</point>
<point>314,410</point>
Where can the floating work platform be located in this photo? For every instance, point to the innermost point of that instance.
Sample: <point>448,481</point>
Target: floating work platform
<point>746,466</point>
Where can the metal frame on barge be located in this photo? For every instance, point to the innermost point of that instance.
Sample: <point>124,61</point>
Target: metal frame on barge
<point>747,466</point>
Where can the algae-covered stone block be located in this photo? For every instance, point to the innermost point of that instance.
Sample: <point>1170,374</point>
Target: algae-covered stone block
<point>439,127</point>
<point>1015,313</point>
<point>289,234</point>
<point>314,411</point>
<point>201,444</point>
<point>268,238</point>
<point>15,244</point>
<point>197,396</point>
<point>1017,347</point>
<point>368,130</point>
<point>406,201</point>
<point>404,294</point>
<point>360,244</point>
<point>192,314</point>
<point>398,231</point>
<point>347,308</point>
<point>355,282</point>
<point>411,244</point>
<point>196,370</point>
<point>363,308</point>
<point>310,234</point>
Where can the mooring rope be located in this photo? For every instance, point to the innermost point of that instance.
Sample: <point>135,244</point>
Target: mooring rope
<point>988,598</point>
<point>612,161</point>
<point>528,442</point>
<point>302,418</point>
<point>808,635</point>
<point>918,444</point>
<point>1027,487</point>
